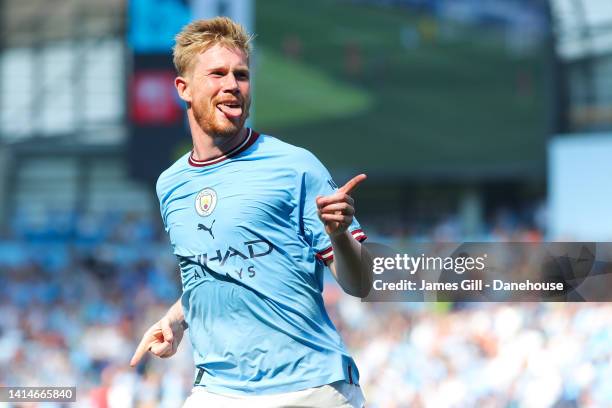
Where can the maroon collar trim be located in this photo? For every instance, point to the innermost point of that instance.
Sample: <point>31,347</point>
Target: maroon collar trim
<point>246,143</point>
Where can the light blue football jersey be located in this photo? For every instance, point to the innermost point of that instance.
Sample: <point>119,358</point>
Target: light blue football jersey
<point>252,253</point>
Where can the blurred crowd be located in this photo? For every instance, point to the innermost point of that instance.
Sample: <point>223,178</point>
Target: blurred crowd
<point>76,294</point>
<point>495,355</point>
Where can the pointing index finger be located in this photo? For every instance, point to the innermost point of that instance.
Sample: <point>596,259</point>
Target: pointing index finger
<point>144,346</point>
<point>352,183</point>
<point>142,349</point>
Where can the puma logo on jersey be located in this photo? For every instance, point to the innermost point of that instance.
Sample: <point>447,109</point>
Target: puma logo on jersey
<point>202,227</point>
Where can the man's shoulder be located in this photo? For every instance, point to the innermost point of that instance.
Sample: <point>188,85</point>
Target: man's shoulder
<point>171,175</point>
<point>296,154</point>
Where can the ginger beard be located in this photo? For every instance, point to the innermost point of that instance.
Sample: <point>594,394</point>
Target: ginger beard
<point>222,116</point>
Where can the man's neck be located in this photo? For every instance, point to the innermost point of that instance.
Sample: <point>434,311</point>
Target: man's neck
<point>209,147</point>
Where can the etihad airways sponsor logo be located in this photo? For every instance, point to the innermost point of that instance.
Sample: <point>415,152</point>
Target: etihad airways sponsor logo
<point>247,250</point>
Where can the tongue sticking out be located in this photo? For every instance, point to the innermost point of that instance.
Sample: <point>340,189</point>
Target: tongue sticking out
<point>230,111</point>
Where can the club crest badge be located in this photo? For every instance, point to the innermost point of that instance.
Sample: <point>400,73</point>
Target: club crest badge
<point>205,202</point>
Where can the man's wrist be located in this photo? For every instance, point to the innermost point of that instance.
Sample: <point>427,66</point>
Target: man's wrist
<point>175,318</point>
<point>340,238</point>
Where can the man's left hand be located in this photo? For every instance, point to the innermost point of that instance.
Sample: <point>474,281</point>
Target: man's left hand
<point>336,211</point>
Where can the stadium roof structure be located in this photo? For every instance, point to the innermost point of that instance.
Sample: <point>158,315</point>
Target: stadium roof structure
<point>583,50</point>
<point>35,22</point>
<point>582,27</point>
<point>62,70</point>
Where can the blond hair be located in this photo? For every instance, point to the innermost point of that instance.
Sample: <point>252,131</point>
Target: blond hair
<point>200,35</point>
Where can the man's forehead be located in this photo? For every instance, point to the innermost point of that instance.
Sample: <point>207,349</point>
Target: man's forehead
<point>220,55</point>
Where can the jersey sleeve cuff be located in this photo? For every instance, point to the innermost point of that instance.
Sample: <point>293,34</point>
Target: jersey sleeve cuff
<point>327,255</point>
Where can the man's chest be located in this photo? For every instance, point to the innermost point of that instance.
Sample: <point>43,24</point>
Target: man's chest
<point>207,213</point>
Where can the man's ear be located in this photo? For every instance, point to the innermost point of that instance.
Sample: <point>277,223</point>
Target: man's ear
<point>183,89</point>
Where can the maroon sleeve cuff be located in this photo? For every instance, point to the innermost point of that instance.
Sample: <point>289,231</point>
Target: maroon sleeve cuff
<point>327,255</point>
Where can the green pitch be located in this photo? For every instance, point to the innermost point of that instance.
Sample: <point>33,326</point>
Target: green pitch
<point>318,97</point>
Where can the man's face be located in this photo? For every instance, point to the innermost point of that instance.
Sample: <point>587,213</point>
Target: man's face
<point>220,90</point>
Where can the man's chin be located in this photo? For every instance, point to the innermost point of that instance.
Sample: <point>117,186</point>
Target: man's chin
<point>221,126</point>
<point>228,129</point>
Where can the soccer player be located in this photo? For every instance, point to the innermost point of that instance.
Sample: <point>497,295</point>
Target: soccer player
<point>253,222</point>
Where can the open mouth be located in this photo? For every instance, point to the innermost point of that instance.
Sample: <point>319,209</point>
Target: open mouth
<point>231,110</point>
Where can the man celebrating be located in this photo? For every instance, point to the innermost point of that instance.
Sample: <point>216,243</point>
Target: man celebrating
<point>253,221</point>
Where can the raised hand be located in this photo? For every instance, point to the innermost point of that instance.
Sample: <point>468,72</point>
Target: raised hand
<point>336,211</point>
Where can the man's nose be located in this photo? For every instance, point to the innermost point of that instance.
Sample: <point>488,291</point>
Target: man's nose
<point>230,84</point>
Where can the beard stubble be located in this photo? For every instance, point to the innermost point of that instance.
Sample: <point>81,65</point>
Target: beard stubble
<point>205,116</point>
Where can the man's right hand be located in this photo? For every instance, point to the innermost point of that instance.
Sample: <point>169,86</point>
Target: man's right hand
<point>161,339</point>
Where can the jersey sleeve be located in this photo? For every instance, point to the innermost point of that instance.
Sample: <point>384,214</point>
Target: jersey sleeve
<point>159,189</point>
<point>316,181</point>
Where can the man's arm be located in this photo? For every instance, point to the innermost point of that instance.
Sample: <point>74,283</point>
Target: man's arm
<point>352,265</point>
<point>162,339</point>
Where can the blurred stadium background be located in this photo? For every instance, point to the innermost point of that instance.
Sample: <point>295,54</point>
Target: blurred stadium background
<point>475,120</point>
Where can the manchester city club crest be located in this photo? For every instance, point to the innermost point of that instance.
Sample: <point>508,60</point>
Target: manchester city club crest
<point>205,202</point>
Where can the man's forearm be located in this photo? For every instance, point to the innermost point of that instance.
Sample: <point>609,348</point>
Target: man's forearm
<point>352,264</point>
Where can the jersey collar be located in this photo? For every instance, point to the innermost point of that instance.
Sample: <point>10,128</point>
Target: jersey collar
<point>246,143</point>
